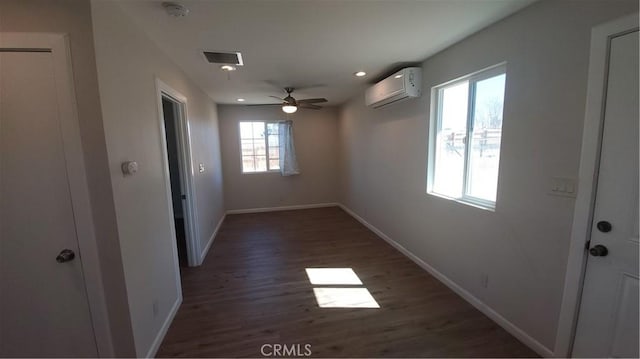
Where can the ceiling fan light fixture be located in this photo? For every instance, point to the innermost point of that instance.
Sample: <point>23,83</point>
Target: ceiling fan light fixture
<point>175,9</point>
<point>289,108</point>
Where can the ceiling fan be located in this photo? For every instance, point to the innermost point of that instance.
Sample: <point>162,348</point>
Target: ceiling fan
<point>290,104</point>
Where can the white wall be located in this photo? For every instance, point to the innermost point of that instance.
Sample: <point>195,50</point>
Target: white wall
<point>128,64</point>
<point>316,141</point>
<point>73,17</point>
<point>523,245</point>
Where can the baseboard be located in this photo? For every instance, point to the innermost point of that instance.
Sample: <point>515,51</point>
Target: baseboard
<point>165,327</point>
<point>204,252</point>
<point>283,208</point>
<point>477,303</point>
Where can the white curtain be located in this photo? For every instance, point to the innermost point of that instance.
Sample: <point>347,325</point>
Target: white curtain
<point>288,162</point>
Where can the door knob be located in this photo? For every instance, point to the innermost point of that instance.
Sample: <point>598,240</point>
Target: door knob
<point>598,251</point>
<point>604,226</point>
<point>66,255</point>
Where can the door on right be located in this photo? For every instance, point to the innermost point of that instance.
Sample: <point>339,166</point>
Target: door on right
<point>608,317</point>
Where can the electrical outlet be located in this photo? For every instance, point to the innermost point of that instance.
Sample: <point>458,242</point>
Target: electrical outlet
<point>155,308</point>
<point>484,281</point>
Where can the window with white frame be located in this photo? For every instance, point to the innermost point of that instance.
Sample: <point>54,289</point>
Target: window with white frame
<point>259,146</point>
<point>466,131</point>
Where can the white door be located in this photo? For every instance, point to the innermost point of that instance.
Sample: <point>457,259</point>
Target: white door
<point>608,317</point>
<point>44,309</point>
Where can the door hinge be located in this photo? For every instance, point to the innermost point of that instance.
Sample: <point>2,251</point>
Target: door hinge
<point>587,245</point>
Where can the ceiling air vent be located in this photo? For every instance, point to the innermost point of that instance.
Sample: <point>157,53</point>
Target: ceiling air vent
<point>229,58</point>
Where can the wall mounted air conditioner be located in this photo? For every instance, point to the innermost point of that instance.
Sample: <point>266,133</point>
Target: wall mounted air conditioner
<point>404,84</point>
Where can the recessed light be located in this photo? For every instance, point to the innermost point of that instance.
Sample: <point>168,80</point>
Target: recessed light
<point>398,76</point>
<point>227,68</point>
<point>240,100</point>
<point>360,73</point>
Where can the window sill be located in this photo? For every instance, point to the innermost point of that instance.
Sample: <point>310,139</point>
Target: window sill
<point>261,172</point>
<point>487,206</point>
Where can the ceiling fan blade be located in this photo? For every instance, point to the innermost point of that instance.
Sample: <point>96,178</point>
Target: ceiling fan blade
<point>277,98</point>
<point>309,106</point>
<point>313,100</point>
<point>264,104</point>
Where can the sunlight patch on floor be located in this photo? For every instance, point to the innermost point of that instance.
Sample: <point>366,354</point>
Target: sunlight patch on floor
<point>344,298</point>
<point>333,276</point>
<point>352,295</point>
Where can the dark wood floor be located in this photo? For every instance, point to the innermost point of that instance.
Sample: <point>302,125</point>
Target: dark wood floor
<point>253,289</point>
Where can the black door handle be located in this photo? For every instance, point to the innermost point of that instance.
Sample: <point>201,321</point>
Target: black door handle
<point>604,226</point>
<point>598,251</point>
<point>66,255</point>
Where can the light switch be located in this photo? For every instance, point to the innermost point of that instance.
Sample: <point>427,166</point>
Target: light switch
<point>201,167</point>
<point>561,186</point>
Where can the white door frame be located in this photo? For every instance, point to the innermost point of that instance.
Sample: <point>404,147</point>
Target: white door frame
<point>58,45</point>
<point>186,170</point>
<point>601,37</point>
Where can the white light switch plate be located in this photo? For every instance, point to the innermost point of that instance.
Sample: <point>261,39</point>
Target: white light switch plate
<point>562,186</point>
<point>201,167</point>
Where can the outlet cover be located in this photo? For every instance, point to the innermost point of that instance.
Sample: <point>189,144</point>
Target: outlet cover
<point>562,186</point>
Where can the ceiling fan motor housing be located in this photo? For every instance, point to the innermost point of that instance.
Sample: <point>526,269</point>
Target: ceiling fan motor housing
<point>175,9</point>
<point>290,100</point>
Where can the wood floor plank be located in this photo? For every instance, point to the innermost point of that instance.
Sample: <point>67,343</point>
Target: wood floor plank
<point>252,290</point>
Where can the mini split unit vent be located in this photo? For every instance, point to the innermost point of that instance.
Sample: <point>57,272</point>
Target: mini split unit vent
<point>224,58</point>
<point>404,84</point>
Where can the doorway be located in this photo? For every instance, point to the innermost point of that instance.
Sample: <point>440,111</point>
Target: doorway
<point>608,317</point>
<point>599,314</point>
<point>170,113</point>
<point>47,247</point>
<point>178,172</point>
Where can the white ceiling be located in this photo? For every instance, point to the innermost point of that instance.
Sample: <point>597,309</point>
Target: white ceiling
<point>309,42</point>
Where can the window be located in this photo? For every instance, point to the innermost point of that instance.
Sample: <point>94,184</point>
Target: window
<point>259,146</point>
<point>466,134</point>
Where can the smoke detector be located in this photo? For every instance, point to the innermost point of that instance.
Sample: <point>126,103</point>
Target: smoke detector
<point>175,9</point>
